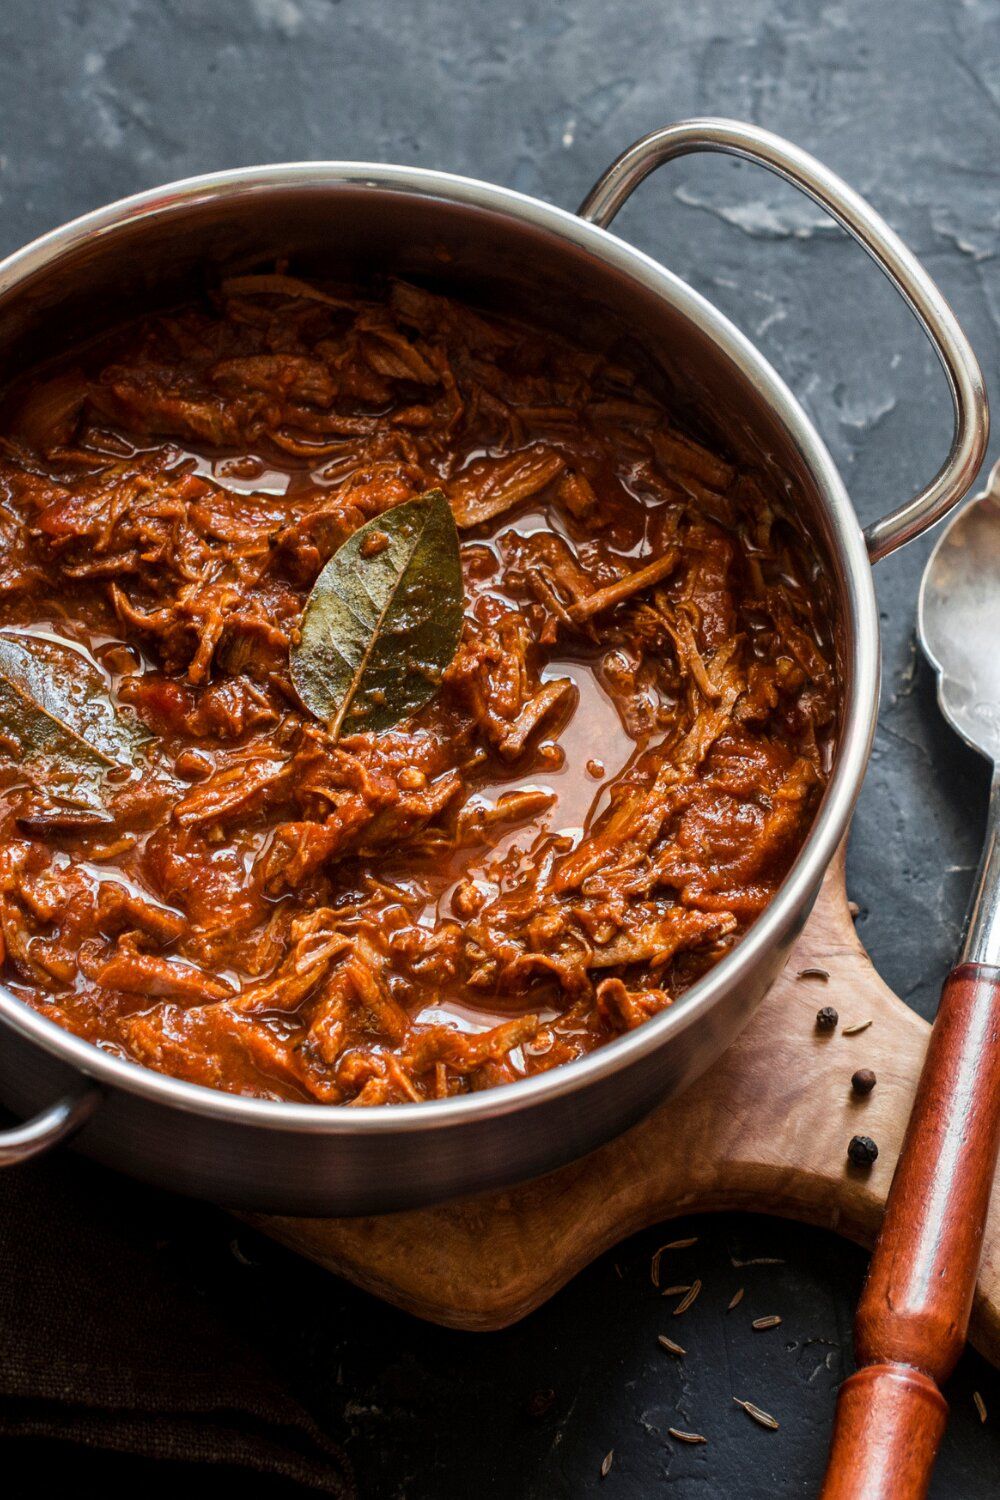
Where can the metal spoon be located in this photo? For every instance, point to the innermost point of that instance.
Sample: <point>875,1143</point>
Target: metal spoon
<point>913,1314</point>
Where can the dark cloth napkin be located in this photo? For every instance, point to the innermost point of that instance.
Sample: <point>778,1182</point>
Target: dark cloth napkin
<point>107,1342</point>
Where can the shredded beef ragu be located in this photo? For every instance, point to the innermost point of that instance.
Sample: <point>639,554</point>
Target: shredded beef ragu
<point>621,765</point>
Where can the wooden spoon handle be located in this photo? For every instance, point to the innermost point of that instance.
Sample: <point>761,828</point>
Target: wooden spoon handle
<point>914,1310</point>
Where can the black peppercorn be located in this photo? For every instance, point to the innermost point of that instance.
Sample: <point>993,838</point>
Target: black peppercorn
<point>826,1019</point>
<point>863,1081</point>
<point>862,1150</point>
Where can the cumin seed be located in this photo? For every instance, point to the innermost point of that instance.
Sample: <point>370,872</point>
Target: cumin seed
<point>654,1265</point>
<point>763,1417</point>
<point>685,1302</point>
<point>666,1343</point>
<point>676,1291</point>
<point>980,1405</point>
<point>737,1298</point>
<point>606,1463</point>
<point>686,1437</point>
<point>853,1030</point>
<point>771,1321</point>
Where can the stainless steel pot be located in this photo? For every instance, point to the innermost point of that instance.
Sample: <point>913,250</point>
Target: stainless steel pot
<point>346,218</point>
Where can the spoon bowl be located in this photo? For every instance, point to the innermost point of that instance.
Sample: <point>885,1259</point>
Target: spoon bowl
<point>958,620</point>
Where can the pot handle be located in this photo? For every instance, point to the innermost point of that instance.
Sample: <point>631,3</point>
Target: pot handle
<point>965,379</point>
<point>47,1129</point>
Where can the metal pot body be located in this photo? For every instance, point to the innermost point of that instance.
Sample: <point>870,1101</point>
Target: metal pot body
<point>350,220</point>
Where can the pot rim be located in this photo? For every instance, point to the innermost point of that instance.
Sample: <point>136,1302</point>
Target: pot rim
<point>859,691</point>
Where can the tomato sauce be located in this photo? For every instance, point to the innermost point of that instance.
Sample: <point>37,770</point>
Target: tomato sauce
<point>618,769</point>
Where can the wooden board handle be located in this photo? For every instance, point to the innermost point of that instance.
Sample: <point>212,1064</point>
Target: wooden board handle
<point>913,1315</point>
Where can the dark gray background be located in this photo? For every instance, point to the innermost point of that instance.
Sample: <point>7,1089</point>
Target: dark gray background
<point>902,98</point>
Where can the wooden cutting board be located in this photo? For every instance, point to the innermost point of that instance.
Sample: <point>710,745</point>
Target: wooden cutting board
<point>765,1130</point>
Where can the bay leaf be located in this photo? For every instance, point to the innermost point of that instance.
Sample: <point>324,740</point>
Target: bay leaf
<point>383,621</point>
<point>56,715</point>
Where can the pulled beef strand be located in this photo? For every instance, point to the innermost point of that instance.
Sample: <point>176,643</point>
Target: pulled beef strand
<point>622,762</point>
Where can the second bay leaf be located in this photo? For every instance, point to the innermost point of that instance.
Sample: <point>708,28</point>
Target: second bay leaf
<point>56,715</point>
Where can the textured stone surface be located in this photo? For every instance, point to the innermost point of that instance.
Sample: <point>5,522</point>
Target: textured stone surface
<point>102,97</point>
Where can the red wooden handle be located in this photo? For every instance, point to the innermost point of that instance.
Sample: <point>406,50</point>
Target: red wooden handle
<point>914,1310</point>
